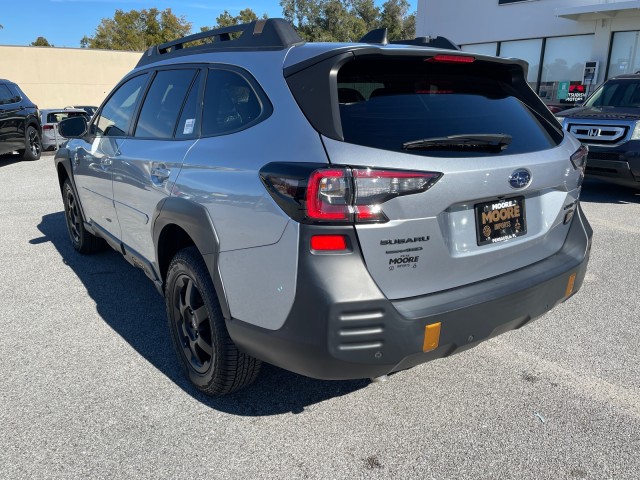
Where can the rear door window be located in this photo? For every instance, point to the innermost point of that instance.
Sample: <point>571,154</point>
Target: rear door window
<point>163,103</point>
<point>389,102</point>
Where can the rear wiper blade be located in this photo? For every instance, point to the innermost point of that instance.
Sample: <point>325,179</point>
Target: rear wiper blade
<point>468,142</point>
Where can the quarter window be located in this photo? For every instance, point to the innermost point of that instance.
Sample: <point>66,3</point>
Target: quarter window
<point>230,103</point>
<point>115,116</point>
<point>163,103</point>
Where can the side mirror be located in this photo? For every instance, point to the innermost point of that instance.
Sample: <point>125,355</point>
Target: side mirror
<point>73,127</point>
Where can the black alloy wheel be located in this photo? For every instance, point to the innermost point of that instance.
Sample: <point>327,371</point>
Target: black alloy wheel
<point>192,323</point>
<point>81,239</point>
<point>33,144</point>
<point>210,359</point>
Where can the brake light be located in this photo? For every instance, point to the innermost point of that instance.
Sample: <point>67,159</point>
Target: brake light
<point>340,195</point>
<point>451,59</point>
<point>47,127</point>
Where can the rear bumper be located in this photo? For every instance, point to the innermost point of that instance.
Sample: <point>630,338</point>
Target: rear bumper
<point>342,327</point>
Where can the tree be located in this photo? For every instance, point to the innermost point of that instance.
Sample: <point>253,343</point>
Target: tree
<point>348,20</point>
<point>137,30</point>
<point>395,18</point>
<point>41,42</point>
<point>225,19</point>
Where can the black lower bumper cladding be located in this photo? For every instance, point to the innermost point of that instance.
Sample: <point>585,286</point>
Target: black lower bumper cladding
<point>342,327</point>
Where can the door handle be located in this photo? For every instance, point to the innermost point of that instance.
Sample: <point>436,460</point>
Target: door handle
<point>160,174</point>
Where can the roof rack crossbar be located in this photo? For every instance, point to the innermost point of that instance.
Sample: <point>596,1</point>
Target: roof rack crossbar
<point>217,35</point>
<point>272,33</point>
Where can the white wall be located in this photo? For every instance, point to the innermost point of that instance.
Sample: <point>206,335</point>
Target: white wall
<point>476,21</point>
<point>481,21</point>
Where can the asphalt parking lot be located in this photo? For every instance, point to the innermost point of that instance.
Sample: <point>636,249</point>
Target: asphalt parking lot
<point>90,388</point>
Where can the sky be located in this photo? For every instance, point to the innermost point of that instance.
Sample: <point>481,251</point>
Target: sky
<point>64,22</point>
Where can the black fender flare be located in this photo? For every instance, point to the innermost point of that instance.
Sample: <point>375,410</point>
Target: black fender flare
<point>63,159</point>
<point>195,221</point>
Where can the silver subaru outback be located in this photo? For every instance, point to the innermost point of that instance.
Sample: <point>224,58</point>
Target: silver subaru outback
<point>339,210</point>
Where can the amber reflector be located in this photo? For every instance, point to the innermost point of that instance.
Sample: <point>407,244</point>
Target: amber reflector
<point>431,337</point>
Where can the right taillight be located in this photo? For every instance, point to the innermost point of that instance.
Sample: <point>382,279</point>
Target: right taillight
<point>579,158</point>
<point>340,195</point>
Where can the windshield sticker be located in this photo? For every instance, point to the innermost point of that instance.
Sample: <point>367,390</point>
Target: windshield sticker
<point>188,126</point>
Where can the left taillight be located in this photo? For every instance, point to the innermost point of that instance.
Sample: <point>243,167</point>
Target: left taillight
<point>342,194</point>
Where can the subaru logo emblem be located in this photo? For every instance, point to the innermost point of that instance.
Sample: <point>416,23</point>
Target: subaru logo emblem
<point>520,178</point>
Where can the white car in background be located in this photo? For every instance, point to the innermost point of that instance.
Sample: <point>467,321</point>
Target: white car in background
<point>49,118</point>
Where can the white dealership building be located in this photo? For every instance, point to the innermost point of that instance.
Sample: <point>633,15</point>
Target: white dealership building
<point>565,42</point>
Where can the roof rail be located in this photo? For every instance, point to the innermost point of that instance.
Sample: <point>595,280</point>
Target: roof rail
<point>268,34</point>
<point>379,36</point>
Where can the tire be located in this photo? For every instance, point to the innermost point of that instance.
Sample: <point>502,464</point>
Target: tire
<point>82,241</point>
<point>33,144</point>
<point>207,354</point>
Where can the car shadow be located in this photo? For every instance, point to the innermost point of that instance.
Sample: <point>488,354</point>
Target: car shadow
<point>597,191</point>
<point>9,159</point>
<point>140,320</point>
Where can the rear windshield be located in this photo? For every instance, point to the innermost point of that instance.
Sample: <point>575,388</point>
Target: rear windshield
<point>387,103</point>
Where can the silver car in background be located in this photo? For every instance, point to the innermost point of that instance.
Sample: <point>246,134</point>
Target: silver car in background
<point>49,119</point>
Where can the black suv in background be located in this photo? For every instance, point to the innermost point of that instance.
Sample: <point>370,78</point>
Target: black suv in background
<point>19,123</point>
<point>609,123</point>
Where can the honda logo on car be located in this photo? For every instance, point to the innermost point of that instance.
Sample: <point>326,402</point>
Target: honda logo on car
<point>501,211</point>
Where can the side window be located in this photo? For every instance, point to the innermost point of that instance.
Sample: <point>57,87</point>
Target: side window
<point>163,103</point>
<point>5,95</point>
<point>187,126</point>
<point>230,103</point>
<point>116,114</point>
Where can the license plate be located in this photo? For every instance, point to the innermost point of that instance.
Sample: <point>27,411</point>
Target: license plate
<point>500,220</point>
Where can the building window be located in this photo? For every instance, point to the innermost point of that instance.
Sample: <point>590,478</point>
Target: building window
<point>625,54</point>
<point>528,50</point>
<point>563,69</point>
<point>482,48</point>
